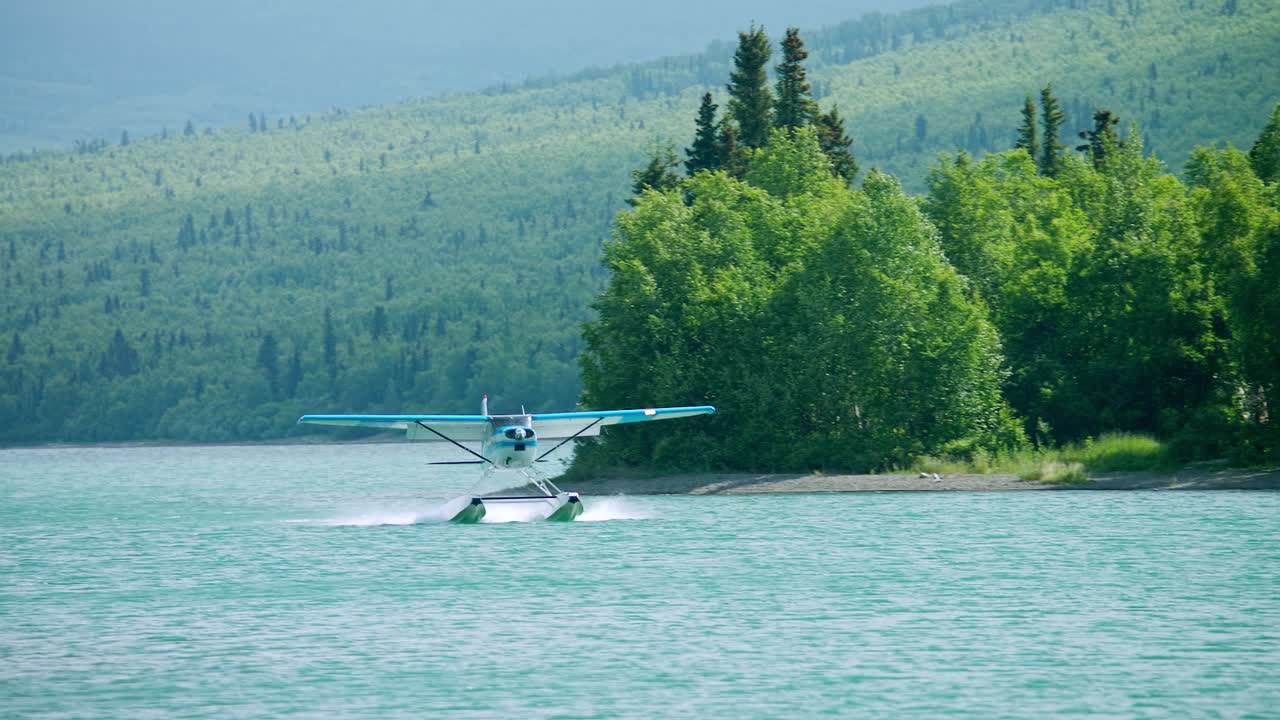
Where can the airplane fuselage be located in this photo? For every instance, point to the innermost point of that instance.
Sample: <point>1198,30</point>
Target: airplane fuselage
<point>512,442</point>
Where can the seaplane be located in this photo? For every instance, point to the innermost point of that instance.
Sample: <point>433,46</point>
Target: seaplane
<point>510,443</point>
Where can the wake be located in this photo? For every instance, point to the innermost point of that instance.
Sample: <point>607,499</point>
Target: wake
<point>618,507</point>
<point>595,509</point>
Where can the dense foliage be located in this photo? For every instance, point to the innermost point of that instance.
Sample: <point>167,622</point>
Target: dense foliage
<point>823,321</point>
<point>213,285</point>
<point>841,328</point>
<point>1097,283</point>
<point>837,320</point>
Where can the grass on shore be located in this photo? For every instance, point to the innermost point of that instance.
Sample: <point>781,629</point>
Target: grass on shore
<point>1113,452</point>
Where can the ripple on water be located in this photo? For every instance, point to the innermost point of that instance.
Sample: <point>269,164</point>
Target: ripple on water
<point>230,582</point>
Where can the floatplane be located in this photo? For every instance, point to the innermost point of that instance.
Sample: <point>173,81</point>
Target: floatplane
<point>510,442</point>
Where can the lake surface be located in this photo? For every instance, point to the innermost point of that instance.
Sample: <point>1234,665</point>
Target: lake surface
<point>320,581</point>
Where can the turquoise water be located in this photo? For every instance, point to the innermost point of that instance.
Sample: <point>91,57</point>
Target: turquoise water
<point>319,582</point>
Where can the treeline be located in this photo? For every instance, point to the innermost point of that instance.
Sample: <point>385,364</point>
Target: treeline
<point>245,317</point>
<point>1041,295</point>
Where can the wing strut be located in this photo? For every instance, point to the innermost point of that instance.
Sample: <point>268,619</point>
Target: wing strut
<point>562,442</point>
<point>442,436</point>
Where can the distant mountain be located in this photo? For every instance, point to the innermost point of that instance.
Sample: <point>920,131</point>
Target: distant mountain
<point>80,69</point>
<point>214,284</point>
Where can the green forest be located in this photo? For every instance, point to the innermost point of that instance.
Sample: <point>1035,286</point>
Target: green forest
<point>214,284</point>
<point>1030,298</point>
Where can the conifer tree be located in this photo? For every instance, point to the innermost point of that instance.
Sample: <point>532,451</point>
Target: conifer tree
<point>187,233</point>
<point>268,362</point>
<point>705,152</point>
<point>835,143</point>
<point>294,377</point>
<point>750,101</point>
<point>15,349</point>
<point>656,174</point>
<point>1050,161</point>
<point>796,106</point>
<point>1027,132</point>
<point>733,159</point>
<point>329,341</point>
<point>1264,158</point>
<point>1102,138</point>
<point>120,358</point>
<point>124,138</point>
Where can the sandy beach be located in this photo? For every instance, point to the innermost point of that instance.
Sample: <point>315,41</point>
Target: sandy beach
<point>745,483</point>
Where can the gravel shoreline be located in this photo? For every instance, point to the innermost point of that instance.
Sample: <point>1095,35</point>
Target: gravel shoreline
<point>746,483</point>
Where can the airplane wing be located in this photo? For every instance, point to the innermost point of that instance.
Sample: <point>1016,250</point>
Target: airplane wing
<point>474,428</point>
<point>461,428</point>
<point>587,424</point>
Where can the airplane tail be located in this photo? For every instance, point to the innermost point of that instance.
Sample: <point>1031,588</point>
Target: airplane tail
<point>484,406</point>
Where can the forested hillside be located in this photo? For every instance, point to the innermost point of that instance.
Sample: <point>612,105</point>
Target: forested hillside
<point>214,284</point>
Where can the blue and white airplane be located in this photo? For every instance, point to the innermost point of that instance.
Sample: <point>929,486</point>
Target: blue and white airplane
<point>510,442</point>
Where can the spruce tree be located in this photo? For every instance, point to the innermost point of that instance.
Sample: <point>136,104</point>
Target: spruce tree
<point>1027,132</point>
<point>1264,158</point>
<point>268,362</point>
<point>705,153</point>
<point>15,349</point>
<point>656,174</point>
<point>120,359</point>
<point>1102,138</point>
<point>796,106</point>
<point>187,232</point>
<point>329,341</point>
<point>733,159</point>
<point>835,143</point>
<point>294,377</point>
<point>750,102</point>
<point>1050,162</point>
